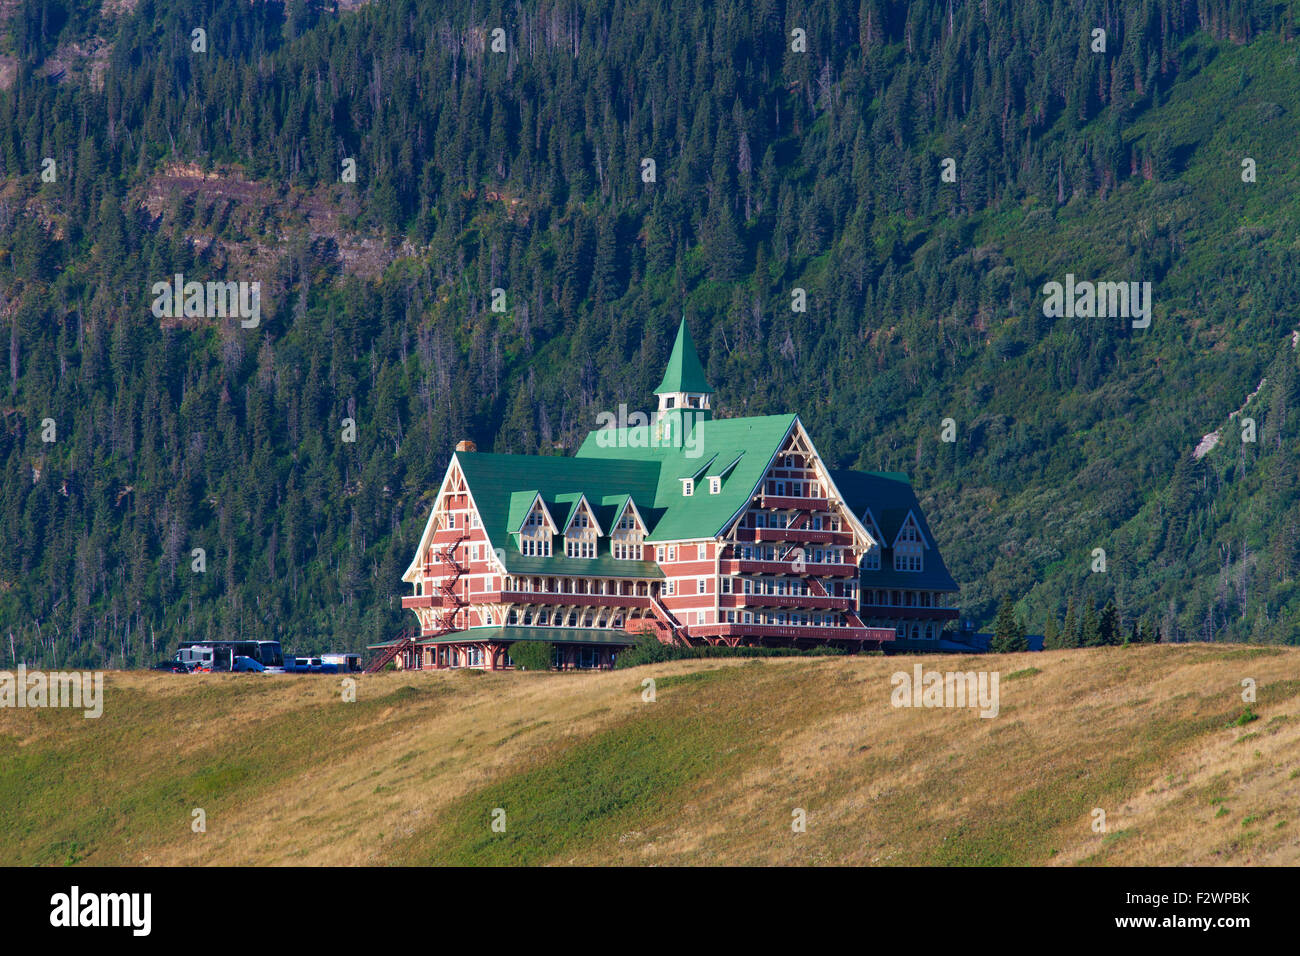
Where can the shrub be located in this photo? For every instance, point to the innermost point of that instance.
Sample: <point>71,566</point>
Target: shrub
<point>649,650</point>
<point>531,655</point>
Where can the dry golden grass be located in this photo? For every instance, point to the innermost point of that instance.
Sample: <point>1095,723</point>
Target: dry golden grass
<point>288,773</point>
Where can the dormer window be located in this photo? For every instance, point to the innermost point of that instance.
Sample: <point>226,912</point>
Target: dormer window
<point>871,560</point>
<point>535,535</point>
<point>581,532</point>
<point>579,546</point>
<point>688,487</point>
<point>627,541</point>
<point>908,547</point>
<point>715,484</point>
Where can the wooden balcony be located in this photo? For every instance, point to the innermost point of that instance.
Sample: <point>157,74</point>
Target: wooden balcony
<point>895,612</point>
<point>792,503</point>
<point>794,632</point>
<point>811,602</point>
<point>564,598</point>
<point>794,535</point>
<point>810,569</point>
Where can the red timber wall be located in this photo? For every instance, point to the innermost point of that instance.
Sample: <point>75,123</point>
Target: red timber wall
<point>785,573</point>
<point>689,566</point>
<point>456,568</point>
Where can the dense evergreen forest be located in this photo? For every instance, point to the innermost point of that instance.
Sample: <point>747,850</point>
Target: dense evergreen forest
<point>380,171</point>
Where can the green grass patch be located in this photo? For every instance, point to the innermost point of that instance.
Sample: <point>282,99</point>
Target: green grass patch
<point>1026,672</point>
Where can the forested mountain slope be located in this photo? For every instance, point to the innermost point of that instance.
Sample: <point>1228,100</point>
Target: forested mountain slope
<point>775,169</point>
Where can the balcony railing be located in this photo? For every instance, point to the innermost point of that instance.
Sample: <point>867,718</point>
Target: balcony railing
<point>565,598</point>
<point>810,601</point>
<point>794,503</point>
<point>911,613</point>
<point>816,569</point>
<point>799,535</point>
<point>787,631</point>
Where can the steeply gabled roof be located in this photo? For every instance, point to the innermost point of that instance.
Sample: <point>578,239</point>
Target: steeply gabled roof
<point>684,372</point>
<point>674,517</point>
<point>891,499</point>
<point>520,506</point>
<point>574,500</point>
<point>495,481</point>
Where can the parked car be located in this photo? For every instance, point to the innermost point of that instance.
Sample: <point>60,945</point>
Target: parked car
<point>309,665</point>
<point>172,667</point>
<point>247,665</point>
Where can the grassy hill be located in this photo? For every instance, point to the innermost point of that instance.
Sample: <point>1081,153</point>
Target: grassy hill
<point>710,772</point>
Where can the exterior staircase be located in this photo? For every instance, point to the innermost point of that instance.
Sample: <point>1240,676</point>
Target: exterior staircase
<point>452,602</point>
<point>405,642</point>
<point>675,633</point>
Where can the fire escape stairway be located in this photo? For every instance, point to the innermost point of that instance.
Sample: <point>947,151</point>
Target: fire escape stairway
<point>446,621</point>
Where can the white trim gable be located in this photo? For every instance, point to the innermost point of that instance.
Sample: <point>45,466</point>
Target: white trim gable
<point>911,519</point>
<point>412,573</point>
<point>583,503</point>
<point>860,531</point>
<point>642,527</point>
<point>550,521</point>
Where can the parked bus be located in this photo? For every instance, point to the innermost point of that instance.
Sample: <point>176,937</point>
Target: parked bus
<point>220,655</point>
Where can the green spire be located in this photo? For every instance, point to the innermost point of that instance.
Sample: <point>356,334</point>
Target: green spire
<point>684,372</point>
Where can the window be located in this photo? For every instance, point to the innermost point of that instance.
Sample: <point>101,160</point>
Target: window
<point>688,487</point>
<point>475,521</point>
<point>451,519</point>
<point>702,552</point>
<point>907,549</point>
<point>476,552</point>
<point>700,586</point>
<point>715,484</point>
<point>579,547</point>
<point>659,554</point>
<point>672,552</point>
<point>871,560</point>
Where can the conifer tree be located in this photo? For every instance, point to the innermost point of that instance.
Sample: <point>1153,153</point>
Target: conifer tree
<point>1008,632</point>
<point>1090,629</point>
<point>1052,634</point>
<point>1108,626</point>
<point>1070,629</point>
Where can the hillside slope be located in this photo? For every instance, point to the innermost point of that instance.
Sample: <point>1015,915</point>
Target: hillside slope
<point>710,772</point>
<point>776,170</point>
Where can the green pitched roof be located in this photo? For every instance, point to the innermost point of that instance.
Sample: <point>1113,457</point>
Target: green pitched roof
<point>684,372</point>
<point>749,442</point>
<point>890,497</point>
<point>495,482</point>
